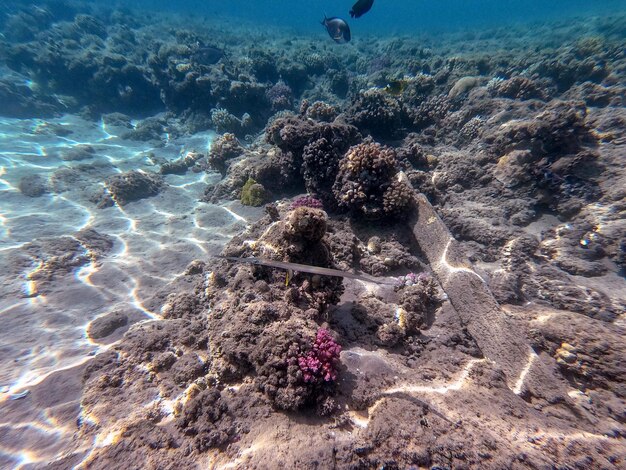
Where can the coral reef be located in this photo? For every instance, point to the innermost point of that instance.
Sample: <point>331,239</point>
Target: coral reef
<point>223,149</point>
<point>280,312</point>
<point>419,299</point>
<point>311,150</point>
<point>253,193</point>
<point>365,183</point>
<point>513,135</point>
<point>131,186</point>
<point>307,201</point>
<point>377,113</point>
<point>553,154</point>
<point>319,365</point>
<point>280,96</point>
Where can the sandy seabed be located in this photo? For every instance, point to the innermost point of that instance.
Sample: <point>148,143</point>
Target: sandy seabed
<point>482,193</point>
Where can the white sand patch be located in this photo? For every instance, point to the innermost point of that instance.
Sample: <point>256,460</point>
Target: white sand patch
<point>155,238</point>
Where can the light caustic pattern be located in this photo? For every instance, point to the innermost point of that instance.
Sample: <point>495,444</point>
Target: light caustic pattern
<point>44,327</point>
<point>434,394</point>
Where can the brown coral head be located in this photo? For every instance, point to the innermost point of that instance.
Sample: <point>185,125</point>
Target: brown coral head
<point>306,223</point>
<point>370,159</point>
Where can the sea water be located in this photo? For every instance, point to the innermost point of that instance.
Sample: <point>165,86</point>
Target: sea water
<point>45,321</point>
<point>388,17</point>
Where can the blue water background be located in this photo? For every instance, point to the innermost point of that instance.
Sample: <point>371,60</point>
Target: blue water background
<point>388,17</point>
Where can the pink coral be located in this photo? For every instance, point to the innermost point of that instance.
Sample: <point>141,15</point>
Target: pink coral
<point>320,363</point>
<point>307,201</point>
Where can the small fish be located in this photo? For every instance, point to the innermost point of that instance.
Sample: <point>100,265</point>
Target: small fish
<point>207,55</point>
<point>337,29</point>
<point>395,87</point>
<point>360,8</point>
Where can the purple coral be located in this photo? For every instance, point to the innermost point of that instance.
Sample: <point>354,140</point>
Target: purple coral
<point>307,201</point>
<point>280,96</point>
<point>320,363</point>
<point>412,279</point>
<point>406,280</point>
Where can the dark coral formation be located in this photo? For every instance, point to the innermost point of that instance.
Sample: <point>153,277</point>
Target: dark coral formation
<point>223,149</point>
<point>320,164</point>
<point>280,96</point>
<point>307,201</point>
<point>377,113</point>
<point>429,112</point>
<point>366,182</point>
<point>131,186</point>
<point>312,150</point>
<point>520,88</point>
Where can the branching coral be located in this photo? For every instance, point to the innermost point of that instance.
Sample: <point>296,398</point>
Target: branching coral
<point>520,88</point>
<point>225,121</point>
<point>430,111</point>
<point>396,198</point>
<point>319,365</point>
<point>307,201</point>
<point>366,182</point>
<point>320,165</point>
<point>377,113</point>
<point>280,96</point>
<point>224,148</point>
<point>321,111</point>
